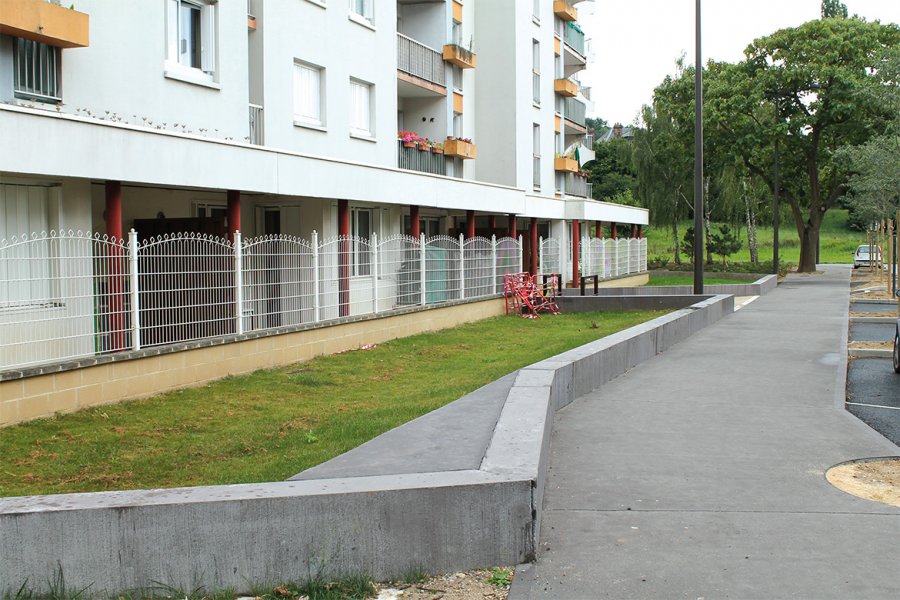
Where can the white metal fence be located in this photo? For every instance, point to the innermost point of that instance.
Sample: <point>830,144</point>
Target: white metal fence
<point>71,295</point>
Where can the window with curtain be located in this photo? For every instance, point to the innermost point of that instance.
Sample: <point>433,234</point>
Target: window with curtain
<point>190,35</point>
<point>308,80</point>
<point>536,155</point>
<point>361,108</point>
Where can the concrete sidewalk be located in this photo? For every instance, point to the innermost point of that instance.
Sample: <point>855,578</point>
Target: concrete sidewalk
<point>700,473</point>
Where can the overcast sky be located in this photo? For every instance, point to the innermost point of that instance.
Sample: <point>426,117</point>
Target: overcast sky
<point>636,42</point>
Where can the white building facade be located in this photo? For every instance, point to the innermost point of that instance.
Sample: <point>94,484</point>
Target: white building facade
<point>305,119</point>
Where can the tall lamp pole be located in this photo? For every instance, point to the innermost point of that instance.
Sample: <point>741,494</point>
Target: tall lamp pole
<point>777,214</point>
<point>698,162</point>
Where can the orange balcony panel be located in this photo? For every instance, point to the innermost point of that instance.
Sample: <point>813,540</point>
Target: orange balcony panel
<point>557,46</point>
<point>565,11</point>
<point>565,165</point>
<point>558,124</point>
<point>457,11</point>
<point>457,102</point>
<point>565,87</point>
<point>459,56</point>
<point>43,22</point>
<point>251,23</point>
<point>460,149</point>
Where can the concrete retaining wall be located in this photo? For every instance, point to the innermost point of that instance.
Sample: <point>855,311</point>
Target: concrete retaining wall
<point>761,286</point>
<point>384,526</point>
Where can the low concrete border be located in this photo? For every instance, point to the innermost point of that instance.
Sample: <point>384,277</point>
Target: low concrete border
<point>761,286</point>
<point>237,535</point>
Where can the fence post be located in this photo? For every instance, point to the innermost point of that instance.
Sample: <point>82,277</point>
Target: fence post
<point>462,267</point>
<point>540,251</point>
<point>422,268</point>
<point>374,242</point>
<point>586,256</point>
<point>521,256</point>
<point>628,257</point>
<point>494,284</point>
<point>315,256</point>
<point>238,284</point>
<point>135,298</point>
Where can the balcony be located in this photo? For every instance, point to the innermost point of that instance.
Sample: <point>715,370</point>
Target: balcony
<point>564,164</point>
<point>424,161</point>
<point>576,113</point>
<point>43,22</point>
<point>424,65</point>
<point>460,148</point>
<point>577,185</point>
<point>459,56</point>
<point>565,87</point>
<point>574,38</point>
<point>564,10</point>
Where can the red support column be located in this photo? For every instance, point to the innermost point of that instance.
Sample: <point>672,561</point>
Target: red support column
<point>492,224</point>
<point>598,229</point>
<point>470,224</point>
<point>640,231</point>
<point>575,235</point>
<point>116,278</point>
<point>533,234</point>
<point>512,227</point>
<point>415,229</point>
<point>612,230</point>
<point>634,231</point>
<point>344,258</point>
<point>234,213</point>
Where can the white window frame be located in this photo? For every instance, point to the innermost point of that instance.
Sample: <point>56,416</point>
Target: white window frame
<point>207,72</point>
<point>362,11</point>
<point>536,155</point>
<point>316,113</point>
<point>358,126</point>
<point>458,125</point>
<point>536,72</point>
<point>37,71</point>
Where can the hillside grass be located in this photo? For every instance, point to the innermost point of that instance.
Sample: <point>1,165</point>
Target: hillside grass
<point>837,241</point>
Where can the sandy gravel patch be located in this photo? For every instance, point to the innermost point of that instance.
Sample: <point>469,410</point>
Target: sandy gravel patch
<point>876,479</point>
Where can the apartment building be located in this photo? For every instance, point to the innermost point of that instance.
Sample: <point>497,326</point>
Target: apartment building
<point>291,118</point>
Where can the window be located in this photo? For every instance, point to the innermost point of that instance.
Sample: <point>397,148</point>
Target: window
<point>430,226</point>
<point>536,71</point>
<point>308,94</point>
<point>29,277</point>
<point>37,71</point>
<point>457,125</point>
<point>536,154</point>
<point>361,109</point>
<point>361,227</point>
<point>362,9</point>
<point>191,36</point>
<point>456,33</point>
<point>457,78</point>
<point>536,11</point>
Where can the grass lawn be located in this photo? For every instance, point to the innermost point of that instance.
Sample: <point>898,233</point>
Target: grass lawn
<point>272,424</point>
<point>838,242</point>
<point>689,280</point>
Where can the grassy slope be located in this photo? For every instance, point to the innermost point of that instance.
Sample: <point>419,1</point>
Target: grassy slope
<point>838,243</point>
<point>272,424</point>
<point>689,280</point>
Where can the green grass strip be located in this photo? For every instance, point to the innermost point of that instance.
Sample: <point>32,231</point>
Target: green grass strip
<point>272,424</point>
<point>689,280</point>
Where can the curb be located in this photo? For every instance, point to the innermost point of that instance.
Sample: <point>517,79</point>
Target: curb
<point>869,353</point>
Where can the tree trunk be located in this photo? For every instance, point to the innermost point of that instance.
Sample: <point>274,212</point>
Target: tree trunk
<point>677,242</point>
<point>809,238</point>
<point>706,224</point>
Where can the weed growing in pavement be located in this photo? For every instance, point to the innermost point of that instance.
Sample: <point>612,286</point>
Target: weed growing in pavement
<point>500,577</point>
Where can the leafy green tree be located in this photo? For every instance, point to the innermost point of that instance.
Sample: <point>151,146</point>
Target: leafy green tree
<point>810,89</point>
<point>833,9</point>
<point>724,242</point>
<point>612,171</point>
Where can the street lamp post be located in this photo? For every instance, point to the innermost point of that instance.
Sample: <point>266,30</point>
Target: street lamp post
<point>777,213</point>
<point>698,162</point>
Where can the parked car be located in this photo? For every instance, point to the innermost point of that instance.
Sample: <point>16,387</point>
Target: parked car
<point>897,347</point>
<point>863,258</point>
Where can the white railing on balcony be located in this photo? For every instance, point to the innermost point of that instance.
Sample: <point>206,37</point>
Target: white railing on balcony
<point>574,38</point>
<point>424,161</point>
<point>36,71</point>
<point>575,111</point>
<point>419,60</point>
<point>576,185</point>
<point>256,124</point>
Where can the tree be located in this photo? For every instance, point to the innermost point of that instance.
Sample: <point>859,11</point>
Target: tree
<point>833,9</point>
<point>724,243</point>
<point>611,171</point>
<point>811,89</point>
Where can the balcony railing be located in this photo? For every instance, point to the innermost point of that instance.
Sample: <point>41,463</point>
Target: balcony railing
<point>256,124</point>
<point>420,61</point>
<point>576,111</point>
<point>424,161</point>
<point>575,38</point>
<point>577,185</point>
